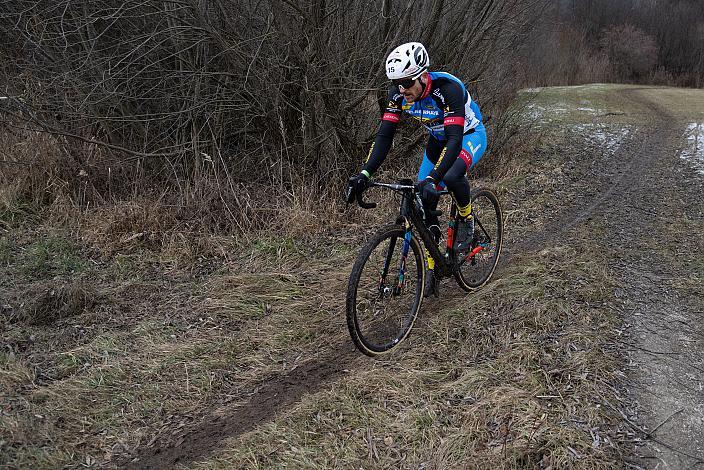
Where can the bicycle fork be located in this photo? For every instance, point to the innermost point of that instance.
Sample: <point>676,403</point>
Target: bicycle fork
<point>401,279</point>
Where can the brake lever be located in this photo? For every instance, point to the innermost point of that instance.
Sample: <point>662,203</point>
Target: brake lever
<point>419,201</point>
<point>364,205</point>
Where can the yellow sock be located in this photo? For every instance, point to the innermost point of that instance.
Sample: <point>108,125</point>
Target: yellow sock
<point>466,210</point>
<point>431,262</point>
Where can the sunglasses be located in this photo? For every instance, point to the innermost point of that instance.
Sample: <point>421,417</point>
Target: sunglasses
<point>406,83</point>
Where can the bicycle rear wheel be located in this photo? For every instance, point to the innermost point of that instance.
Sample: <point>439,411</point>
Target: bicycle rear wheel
<point>475,265</point>
<point>385,290</point>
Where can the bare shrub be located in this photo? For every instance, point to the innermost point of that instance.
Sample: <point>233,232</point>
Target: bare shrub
<point>564,56</point>
<point>594,67</point>
<point>633,53</point>
<point>574,40</point>
<point>214,107</point>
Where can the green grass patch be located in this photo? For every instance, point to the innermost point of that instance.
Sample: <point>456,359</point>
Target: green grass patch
<point>7,250</point>
<point>127,266</point>
<point>52,255</point>
<point>16,213</point>
<point>276,248</point>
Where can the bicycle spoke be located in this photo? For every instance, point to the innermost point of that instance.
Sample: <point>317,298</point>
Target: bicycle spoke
<point>486,234</point>
<point>475,266</point>
<point>385,306</point>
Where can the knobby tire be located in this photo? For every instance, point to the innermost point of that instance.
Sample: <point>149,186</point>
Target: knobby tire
<point>360,337</point>
<point>487,216</point>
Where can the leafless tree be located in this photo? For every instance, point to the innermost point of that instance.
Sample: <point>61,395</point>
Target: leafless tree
<point>580,42</point>
<point>251,91</point>
<point>632,52</point>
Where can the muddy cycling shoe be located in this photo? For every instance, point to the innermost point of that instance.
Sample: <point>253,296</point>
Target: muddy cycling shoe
<point>479,239</point>
<point>465,233</point>
<point>432,284</point>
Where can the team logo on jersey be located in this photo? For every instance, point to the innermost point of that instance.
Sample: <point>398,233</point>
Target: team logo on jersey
<point>369,155</point>
<point>440,97</point>
<point>430,114</point>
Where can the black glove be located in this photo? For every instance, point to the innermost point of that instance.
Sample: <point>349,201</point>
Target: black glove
<point>356,185</point>
<point>428,193</point>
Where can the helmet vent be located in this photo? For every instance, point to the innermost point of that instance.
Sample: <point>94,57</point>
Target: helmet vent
<point>414,58</point>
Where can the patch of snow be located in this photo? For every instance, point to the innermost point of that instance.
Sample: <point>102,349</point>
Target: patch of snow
<point>609,139</point>
<point>539,112</point>
<point>535,112</point>
<point>694,151</point>
<point>531,90</point>
<point>556,112</point>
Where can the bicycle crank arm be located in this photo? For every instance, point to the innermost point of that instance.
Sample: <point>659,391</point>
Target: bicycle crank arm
<point>472,253</point>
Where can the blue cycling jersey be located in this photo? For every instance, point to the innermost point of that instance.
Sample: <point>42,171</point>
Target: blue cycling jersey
<point>444,108</point>
<point>446,97</point>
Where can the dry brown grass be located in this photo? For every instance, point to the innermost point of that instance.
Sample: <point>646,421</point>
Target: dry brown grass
<point>162,346</point>
<point>48,303</point>
<point>515,376</point>
<point>28,167</point>
<point>169,323</point>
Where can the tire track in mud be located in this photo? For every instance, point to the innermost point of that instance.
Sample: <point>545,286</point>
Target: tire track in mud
<point>278,393</point>
<point>665,336</point>
<point>664,327</point>
<point>621,175</point>
<point>271,397</point>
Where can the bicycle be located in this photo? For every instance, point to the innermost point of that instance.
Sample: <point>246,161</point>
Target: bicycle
<point>383,304</point>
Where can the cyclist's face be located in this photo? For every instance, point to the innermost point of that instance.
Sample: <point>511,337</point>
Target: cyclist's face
<point>413,92</point>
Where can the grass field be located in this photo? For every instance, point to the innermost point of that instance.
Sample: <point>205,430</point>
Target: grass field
<point>113,345</point>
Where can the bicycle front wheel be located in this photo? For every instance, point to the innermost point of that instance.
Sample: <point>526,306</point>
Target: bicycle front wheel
<point>385,290</point>
<point>475,265</point>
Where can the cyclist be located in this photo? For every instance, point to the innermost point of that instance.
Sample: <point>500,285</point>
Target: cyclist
<point>456,141</point>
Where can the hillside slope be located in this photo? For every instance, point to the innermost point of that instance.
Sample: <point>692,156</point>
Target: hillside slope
<point>584,351</point>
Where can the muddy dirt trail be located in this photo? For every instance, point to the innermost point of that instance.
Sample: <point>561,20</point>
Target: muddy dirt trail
<point>640,190</point>
<point>654,220</point>
<point>651,206</point>
<point>271,397</point>
<point>641,197</point>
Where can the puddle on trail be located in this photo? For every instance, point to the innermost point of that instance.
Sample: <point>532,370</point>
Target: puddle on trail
<point>694,150</point>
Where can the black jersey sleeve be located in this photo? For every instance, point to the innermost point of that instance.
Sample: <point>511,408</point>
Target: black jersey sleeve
<point>451,98</point>
<point>385,136</point>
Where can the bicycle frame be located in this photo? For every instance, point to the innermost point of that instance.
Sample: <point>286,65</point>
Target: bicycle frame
<point>400,252</point>
<point>411,214</point>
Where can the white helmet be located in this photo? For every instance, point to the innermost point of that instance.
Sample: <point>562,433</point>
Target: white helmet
<point>408,60</point>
